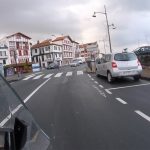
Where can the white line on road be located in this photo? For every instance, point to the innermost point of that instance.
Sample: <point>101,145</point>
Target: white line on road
<point>92,79</point>
<point>121,101</point>
<point>79,72</point>
<point>101,86</point>
<point>108,91</point>
<point>128,86</point>
<point>48,76</point>
<point>89,76</point>
<point>58,75</point>
<point>37,77</point>
<point>33,74</point>
<point>95,82</point>
<point>143,115</point>
<point>29,77</point>
<point>69,74</point>
<point>100,92</point>
<point>19,106</point>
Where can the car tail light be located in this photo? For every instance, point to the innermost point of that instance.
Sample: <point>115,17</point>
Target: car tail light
<point>114,65</point>
<point>138,62</point>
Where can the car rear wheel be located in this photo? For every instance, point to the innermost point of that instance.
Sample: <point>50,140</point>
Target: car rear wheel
<point>136,78</point>
<point>109,77</point>
<point>97,73</point>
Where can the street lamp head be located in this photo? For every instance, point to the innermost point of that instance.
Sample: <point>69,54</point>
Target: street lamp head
<point>94,15</point>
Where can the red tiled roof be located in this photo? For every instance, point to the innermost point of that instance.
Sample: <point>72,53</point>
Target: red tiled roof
<point>18,33</point>
<point>85,45</point>
<point>43,43</point>
<point>62,38</point>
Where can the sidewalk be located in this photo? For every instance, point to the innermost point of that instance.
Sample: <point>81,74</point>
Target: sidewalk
<point>146,73</point>
<point>16,77</point>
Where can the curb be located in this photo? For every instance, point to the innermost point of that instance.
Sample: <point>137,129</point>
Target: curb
<point>146,78</point>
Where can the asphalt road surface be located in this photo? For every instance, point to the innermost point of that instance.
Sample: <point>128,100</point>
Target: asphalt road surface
<point>80,111</point>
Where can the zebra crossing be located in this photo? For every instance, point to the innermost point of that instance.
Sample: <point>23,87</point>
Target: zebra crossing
<point>57,75</point>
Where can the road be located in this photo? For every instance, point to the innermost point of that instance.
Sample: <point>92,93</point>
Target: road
<point>80,111</point>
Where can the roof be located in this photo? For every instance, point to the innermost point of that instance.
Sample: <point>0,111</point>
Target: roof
<point>142,50</point>
<point>44,43</point>
<point>18,33</point>
<point>87,44</point>
<point>75,42</point>
<point>62,38</point>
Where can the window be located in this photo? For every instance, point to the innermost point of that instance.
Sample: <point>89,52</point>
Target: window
<point>35,50</point>
<point>107,58</point>
<point>125,57</point>
<point>42,57</point>
<point>20,54</point>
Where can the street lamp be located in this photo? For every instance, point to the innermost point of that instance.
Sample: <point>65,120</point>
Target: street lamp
<point>105,13</point>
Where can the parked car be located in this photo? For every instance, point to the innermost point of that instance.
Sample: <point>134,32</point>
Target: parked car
<point>119,65</point>
<point>81,60</point>
<point>53,66</point>
<point>74,63</point>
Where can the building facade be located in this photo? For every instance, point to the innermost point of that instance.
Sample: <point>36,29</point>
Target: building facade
<point>46,52</point>
<point>89,50</point>
<point>4,55</point>
<point>18,47</point>
<point>68,51</point>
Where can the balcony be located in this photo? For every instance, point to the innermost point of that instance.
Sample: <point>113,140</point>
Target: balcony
<point>3,57</point>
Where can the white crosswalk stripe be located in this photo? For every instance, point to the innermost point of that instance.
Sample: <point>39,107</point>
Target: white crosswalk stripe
<point>69,74</point>
<point>48,76</point>
<point>37,77</point>
<point>28,77</point>
<point>79,72</point>
<point>58,75</point>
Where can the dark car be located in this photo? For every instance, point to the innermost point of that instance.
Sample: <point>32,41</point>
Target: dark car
<point>53,66</point>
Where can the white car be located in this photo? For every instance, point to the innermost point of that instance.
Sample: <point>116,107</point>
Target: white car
<point>119,65</point>
<point>74,63</point>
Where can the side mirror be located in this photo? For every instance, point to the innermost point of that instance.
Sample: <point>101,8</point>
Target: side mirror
<point>7,139</point>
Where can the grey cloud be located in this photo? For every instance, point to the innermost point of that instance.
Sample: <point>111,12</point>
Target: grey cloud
<point>39,16</point>
<point>131,5</point>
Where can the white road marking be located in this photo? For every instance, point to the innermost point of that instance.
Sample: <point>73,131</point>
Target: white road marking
<point>129,86</point>
<point>92,79</point>
<point>33,74</point>
<point>100,92</point>
<point>48,76</point>
<point>121,101</point>
<point>69,74</point>
<point>89,76</point>
<point>95,82</point>
<point>58,75</point>
<point>101,86</point>
<point>19,106</point>
<point>79,72</point>
<point>27,78</point>
<point>143,115</point>
<point>38,77</point>
<point>108,91</point>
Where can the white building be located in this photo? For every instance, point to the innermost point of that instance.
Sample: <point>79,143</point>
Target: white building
<point>18,47</point>
<point>68,48</point>
<point>76,50</point>
<point>46,52</point>
<point>4,55</point>
<point>89,50</point>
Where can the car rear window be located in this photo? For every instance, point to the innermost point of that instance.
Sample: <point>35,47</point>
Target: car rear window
<point>125,57</point>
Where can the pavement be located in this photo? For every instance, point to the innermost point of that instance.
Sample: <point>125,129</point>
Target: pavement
<point>80,111</point>
<point>146,73</point>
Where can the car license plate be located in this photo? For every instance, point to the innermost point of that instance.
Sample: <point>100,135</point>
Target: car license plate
<point>127,73</point>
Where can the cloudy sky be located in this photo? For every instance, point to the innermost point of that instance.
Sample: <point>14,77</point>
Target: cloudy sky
<point>40,19</point>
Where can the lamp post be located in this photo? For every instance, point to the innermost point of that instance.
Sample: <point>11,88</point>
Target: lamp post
<point>105,13</point>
